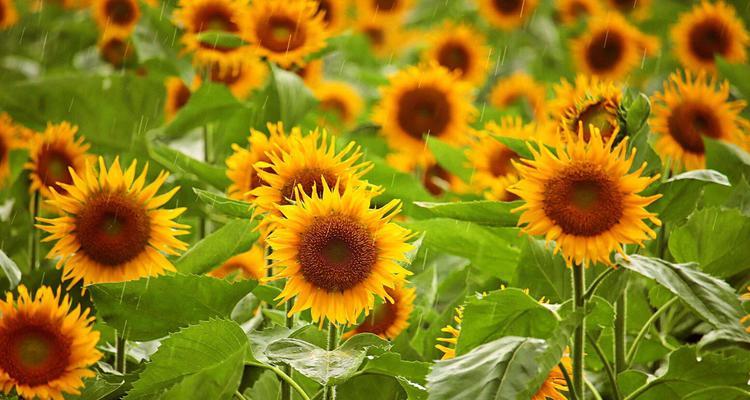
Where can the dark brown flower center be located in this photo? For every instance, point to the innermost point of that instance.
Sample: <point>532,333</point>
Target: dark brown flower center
<point>324,7</point>
<point>509,6</point>
<point>33,353</point>
<point>578,9</point>
<point>335,106</point>
<point>454,56</point>
<point>583,200</point>
<point>375,35</point>
<point>280,33</point>
<point>120,12</point>
<point>500,162</point>
<point>605,51</point>
<point>381,318</point>
<point>423,110</point>
<point>116,51</point>
<point>52,167</point>
<point>689,122</point>
<point>336,253</point>
<point>308,178</point>
<point>436,179</point>
<point>600,117</point>
<point>228,77</point>
<point>625,5</point>
<point>386,5</point>
<point>708,38</point>
<point>182,96</point>
<point>214,17</point>
<point>112,228</point>
<point>4,149</point>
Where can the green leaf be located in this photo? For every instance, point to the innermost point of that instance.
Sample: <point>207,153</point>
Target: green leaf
<point>151,308</point>
<point>225,205</point>
<point>237,236</point>
<point>453,159</point>
<point>181,163</point>
<point>508,312</point>
<point>636,107</point>
<point>259,341</point>
<point>542,272</point>
<point>736,74</point>
<point>727,158</point>
<point>482,212</point>
<point>98,388</point>
<point>10,269</point>
<point>680,193</point>
<point>323,366</point>
<point>709,238</point>
<point>397,184</point>
<point>220,39</point>
<point>211,102</point>
<point>411,375</point>
<point>202,361</point>
<point>286,99</point>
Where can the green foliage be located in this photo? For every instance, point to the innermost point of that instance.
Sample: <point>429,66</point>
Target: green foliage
<point>225,205</point>
<point>10,270</point>
<point>451,158</point>
<point>237,236</point>
<point>680,193</point>
<point>482,212</point>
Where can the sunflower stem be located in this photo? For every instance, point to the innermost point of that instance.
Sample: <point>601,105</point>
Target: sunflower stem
<point>607,368</point>
<point>579,286</point>
<point>621,309</point>
<point>120,344</point>
<point>591,291</point>
<point>569,381</point>
<point>284,378</point>
<point>208,158</point>
<point>286,388</point>
<point>644,329</point>
<point>333,339</point>
<point>34,239</point>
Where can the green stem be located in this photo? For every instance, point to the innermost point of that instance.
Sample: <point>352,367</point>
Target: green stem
<point>661,241</point>
<point>621,308</point>
<point>593,390</point>
<point>641,390</point>
<point>607,368</point>
<point>644,329</point>
<point>579,285</point>
<point>207,157</point>
<point>329,391</point>
<point>286,389</point>
<point>120,344</point>
<point>596,282</point>
<point>284,377</point>
<point>571,389</point>
<point>239,395</point>
<point>34,240</point>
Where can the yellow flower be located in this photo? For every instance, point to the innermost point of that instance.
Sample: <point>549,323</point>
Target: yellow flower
<point>286,32</point>
<point>454,331</point>
<point>386,38</point>
<point>708,30</point>
<point>311,73</point>
<point>520,87</point>
<point>690,108</point>
<point>112,228</point>
<point>424,100</point>
<point>334,13</point>
<point>460,49</point>
<point>507,14</point>
<point>392,10</point>
<point>8,142</point>
<point>388,320</point>
<point>337,253</point>
<point>248,265</point>
<point>116,50</point>
<point>746,297</point>
<point>584,198</point>
<point>116,17</point>
<point>52,154</point>
<point>587,101</point>
<point>639,9</point>
<point>46,346</point>
<point>611,48</point>
<point>572,11</point>
<point>249,74</point>
<point>340,99</point>
<point>8,14</point>
<point>436,179</point>
<point>178,94</point>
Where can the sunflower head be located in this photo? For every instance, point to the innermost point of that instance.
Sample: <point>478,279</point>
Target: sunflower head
<point>460,49</point>
<point>585,198</point>
<point>588,101</point>
<point>691,107</point>
<point>339,99</point>
<point>337,253</point>
<point>555,382</point>
<point>507,14</point>
<point>611,47</point>
<point>520,88</point>
<point>709,30</point>
<point>8,141</point>
<point>334,14</point>
<point>112,227</point>
<point>178,94</point>
<point>388,319</point>
<point>386,39</point>
<point>286,32</point>
<point>46,345</point>
<point>572,11</point>
<point>248,265</point>
<point>8,14</point>
<point>116,50</point>
<point>116,17</point>
<point>387,10</point>
<point>638,9</point>
<point>52,154</point>
<point>424,100</point>
<point>249,74</point>
<point>311,73</point>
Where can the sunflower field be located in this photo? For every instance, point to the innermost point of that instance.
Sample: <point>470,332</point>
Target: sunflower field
<point>375,199</point>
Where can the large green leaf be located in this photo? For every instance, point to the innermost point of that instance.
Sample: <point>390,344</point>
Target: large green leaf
<point>211,102</point>
<point>237,236</point>
<point>680,193</point>
<point>736,74</point>
<point>451,158</point>
<point>286,99</point>
<point>709,238</point>
<point>411,375</point>
<point>225,205</point>
<point>203,361</point>
<point>542,272</point>
<point>728,159</point>
<point>397,184</point>
<point>10,270</point>
<point>482,212</point>
<point>181,163</point>
<point>508,312</point>
<point>99,388</point>
<point>151,308</point>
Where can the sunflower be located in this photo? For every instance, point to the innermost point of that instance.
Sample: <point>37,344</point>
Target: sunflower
<point>240,164</point>
<point>305,165</point>
<point>520,87</point>
<point>116,17</point>
<point>116,50</point>
<point>46,345</point>
<point>196,16</point>
<point>588,101</point>
<point>386,39</point>
<point>392,10</point>
<point>689,108</point>
<point>248,265</point>
<point>8,14</point>
<point>584,198</point>
<point>334,13</point>
<point>340,99</point>
<point>178,94</point>
<point>8,138</point>
<point>52,154</point>
<point>286,32</point>
<point>424,100</point>
<point>639,9</point>
<point>311,73</point>
<point>461,49</point>
<point>436,179</point>
<point>112,228</point>
<point>388,320</point>
<point>507,14</point>
<point>611,48</point>
<point>572,11</point>
<point>708,30</point>
<point>249,74</point>
<point>454,330</point>
<point>337,253</point>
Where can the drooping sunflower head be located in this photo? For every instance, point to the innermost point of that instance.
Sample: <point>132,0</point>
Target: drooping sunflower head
<point>46,345</point>
<point>286,32</point>
<point>690,108</point>
<point>116,50</point>
<point>588,101</point>
<point>424,100</point>
<point>507,14</point>
<point>388,319</point>
<point>52,154</point>
<point>585,198</point>
<point>572,11</point>
<point>178,94</point>
<point>709,30</point>
<point>520,88</point>
<point>337,253</point>
<point>116,17</point>
<point>248,265</point>
<point>611,48</point>
<point>339,99</point>
<point>8,14</point>
<point>334,13</point>
<point>240,165</point>
<point>391,10</point>
<point>248,74</point>
<point>112,227</point>
<point>305,165</point>
<point>460,49</point>
<point>638,9</point>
